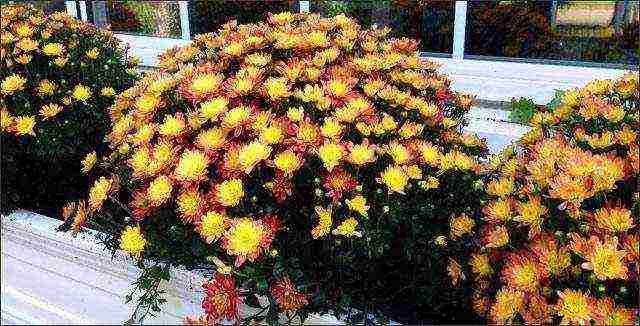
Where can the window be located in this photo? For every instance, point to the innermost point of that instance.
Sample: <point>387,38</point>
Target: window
<point>588,31</point>
<point>208,16</point>
<point>49,6</point>
<point>146,18</point>
<point>430,21</point>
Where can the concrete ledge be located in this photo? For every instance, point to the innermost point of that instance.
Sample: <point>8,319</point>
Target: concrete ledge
<point>50,277</point>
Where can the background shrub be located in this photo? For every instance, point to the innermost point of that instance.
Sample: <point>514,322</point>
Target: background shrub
<point>558,240</point>
<point>61,75</point>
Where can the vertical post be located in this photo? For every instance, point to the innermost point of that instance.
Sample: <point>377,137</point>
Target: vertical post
<point>303,5</point>
<point>83,10</point>
<point>71,8</point>
<point>184,19</point>
<point>459,29</point>
<point>99,10</point>
<point>553,13</point>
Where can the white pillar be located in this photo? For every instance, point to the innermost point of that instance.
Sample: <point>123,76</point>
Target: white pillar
<point>459,29</point>
<point>184,19</point>
<point>303,5</point>
<point>71,8</point>
<point>83,11</point>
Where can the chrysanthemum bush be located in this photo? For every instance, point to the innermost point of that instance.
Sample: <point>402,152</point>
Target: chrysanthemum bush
<point>59,76</point>
<point>303,160</point>
<point>558,240</point>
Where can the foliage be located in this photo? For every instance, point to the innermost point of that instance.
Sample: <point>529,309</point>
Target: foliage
<point>522,110</point>
<point>302,158</point>
<point>61,75</point>
<point>151,298</point>
<point>558,240</point>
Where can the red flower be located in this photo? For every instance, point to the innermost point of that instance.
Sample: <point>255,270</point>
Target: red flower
<point>287,296</point>
<point>338,182</point>
<point>221,298</point>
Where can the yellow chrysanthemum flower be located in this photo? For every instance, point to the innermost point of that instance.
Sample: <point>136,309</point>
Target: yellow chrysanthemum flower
<point>614,220</point>
<point>98,193</point>
<point>48,111</point>
<point>606,261</point>
<point>277,88</point>
<point>398,152</point>
<point>362,154</point>
<point>430,154</point>
<point>81,93</point>
<point>88,162</point>
<point>236,117</point>
<point>508,304</point>
<point>213,108</point>
<point>574,307</point>
<point>12,84</point>
<point>211,139</point>
<point>330,154</point>
<point>271,135</point>
<point>461,225</point>
<point>6,120</point>
<point>413,172</point>
<point>395,179</point>
<point>295,114</point>
<point>331,128</point>
<point>358,204</point>
<point>52,49</point>
<point>288,162</point>
<point>108,91</point>
<point>244,237</point>
<point>61,61</point>
<point>213,226</point>
<point>348,228</point>
<point>192,166</point>
<point>481,265</point>
<point>205,83</point>
<point>160,190</point>
<point>325,221</point>
<point>253,153</point>
<point>230,192</point>
<point>147,104</point>
<point>93,53</point>
<point>189,204</point>
<point>132,241</point>
<point>23,30</point>
<point>24,125</point>
<point>46,87</point>
<point>172,126</point>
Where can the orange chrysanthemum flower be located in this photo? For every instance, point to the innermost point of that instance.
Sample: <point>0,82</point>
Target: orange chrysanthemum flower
<point>287,296</point>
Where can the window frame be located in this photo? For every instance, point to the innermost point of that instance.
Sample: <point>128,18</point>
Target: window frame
<point>486,76</point>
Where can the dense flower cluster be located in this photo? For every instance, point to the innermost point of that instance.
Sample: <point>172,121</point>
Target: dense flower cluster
<point>58,77</point>
<point>286,149</point>
<point>558,240</point>
<point>46,57</point>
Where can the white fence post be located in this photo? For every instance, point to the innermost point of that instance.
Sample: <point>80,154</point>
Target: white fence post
<point>459,29</point>
<point>71,8</point>
<point>83,11</point>
<point>303,6</point>
<point>184,19</point>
